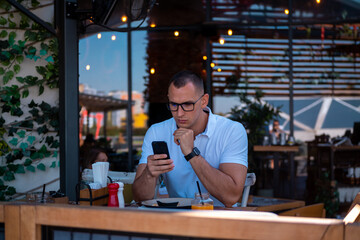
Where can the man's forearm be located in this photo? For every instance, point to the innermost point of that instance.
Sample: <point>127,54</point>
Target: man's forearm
<point>144,186</point>
<point>219,184</point>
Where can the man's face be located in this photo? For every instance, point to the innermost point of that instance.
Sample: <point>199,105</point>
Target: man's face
<point>186,94</point>
<point>276,125</point>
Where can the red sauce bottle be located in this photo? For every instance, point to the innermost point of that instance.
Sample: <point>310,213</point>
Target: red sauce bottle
<point>113,197</point>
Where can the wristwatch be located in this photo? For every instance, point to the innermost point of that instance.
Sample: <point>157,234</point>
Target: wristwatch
<point>195,152</point>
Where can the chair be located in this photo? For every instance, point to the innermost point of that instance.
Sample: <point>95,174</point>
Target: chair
<point>315,210</point>
<point>250,180</point>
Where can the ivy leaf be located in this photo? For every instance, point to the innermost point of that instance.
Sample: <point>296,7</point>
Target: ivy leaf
<point>17,112</point>
<point>34,112</point>
<point>10,191</point>
<point>27,162</point>
<point>49,140</point>
<point>43,52</point>
<point>21,134</point>
<point>53,164</point>
<point>8,76</point>
<point>32,50</point>
<point>11,24</point>
<point>41,89</point>
<point>32,104</point>
<point>41,167</point>
<point>9,176</point>
<point>12,130</point>
<point>31,139</point>
<point>16,68</point>
<point>20,169</point>
<point>49,59</point>
<point>42,130</point>
<point>23,146</point>
<point>35,58</point>
<point>12,37</point>
<point>20,79</point>
<point>55,154</point>
<point>1,182</point>
<point>14,141</point>
<point>25,93</point>
<point>35,155</point>
<point>3,21</point>
<point>55,144</point>
<point>30,168</point>
<point>2,70</point>
<point>19,58</point>
<point>2,170</point>
<point>35,3</point>
<point>3,34</point>
<point>45,107</point>
<point>27,153</point>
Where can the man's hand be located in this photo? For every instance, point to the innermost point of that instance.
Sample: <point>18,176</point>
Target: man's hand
<point>156,164</point>
<point>185,138</point>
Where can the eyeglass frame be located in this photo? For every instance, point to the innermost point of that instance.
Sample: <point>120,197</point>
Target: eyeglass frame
<point>181,105</point>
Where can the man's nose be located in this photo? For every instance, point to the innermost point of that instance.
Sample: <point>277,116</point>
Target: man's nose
<point>180,111</point>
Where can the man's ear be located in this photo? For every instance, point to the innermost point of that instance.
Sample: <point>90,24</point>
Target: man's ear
<point>205,100</point>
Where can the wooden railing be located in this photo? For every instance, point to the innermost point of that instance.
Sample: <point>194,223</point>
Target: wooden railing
<point>24,221</point>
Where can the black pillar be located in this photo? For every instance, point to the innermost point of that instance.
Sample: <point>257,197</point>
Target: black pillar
<point>69,101</point>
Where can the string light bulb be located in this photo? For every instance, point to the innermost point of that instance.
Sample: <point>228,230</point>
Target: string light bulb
<point>212,65</point>
<point>204,58</point>
<point>222,41</point>
<point>113,37</point>
<point>230,32</point>
<point>286,11</point>
<point>176,33</point>
<point>87,67</point>
<point>99,35</point>
<point>152,25</point>
<point>219,69</point>
<point>152,70</point>
<point>318,1</point>
<point>124,18</point>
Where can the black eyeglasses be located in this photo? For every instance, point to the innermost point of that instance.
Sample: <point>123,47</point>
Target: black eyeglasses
<point>186,106</point>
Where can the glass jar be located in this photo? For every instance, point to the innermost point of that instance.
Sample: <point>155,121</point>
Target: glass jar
<point>202,203</point>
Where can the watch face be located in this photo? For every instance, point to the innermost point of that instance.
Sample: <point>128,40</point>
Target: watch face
<point>196,151</point>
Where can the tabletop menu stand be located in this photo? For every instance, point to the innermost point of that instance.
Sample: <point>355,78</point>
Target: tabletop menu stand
<point>90,196</point>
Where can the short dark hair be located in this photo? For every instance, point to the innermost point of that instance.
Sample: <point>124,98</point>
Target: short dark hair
<point>181,78</point>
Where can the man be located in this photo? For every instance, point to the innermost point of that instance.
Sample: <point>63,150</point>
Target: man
<point>276,128</point>
<point>203,147</point>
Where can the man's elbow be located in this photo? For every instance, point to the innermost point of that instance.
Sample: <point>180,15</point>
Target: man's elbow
<point>231,200</point>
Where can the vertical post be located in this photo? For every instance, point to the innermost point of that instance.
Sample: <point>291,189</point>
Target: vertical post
<point>209,58</point>
<point>69,99</point>
<point>291,98</point>
<point>104,128</point>
<point>88,122</point>
<point>129,106</point>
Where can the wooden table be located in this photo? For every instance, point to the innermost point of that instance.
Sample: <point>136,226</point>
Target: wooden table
<point>276,151</point>
<point>267,204</point>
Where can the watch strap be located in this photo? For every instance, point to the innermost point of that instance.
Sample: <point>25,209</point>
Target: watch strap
<point>194,152</point>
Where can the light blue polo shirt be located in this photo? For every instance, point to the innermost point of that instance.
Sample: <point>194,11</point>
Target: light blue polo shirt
<point>223,141</point>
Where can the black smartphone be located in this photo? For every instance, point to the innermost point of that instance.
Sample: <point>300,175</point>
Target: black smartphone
<point>160,147</point>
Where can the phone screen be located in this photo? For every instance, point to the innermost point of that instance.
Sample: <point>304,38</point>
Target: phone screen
<point>160,147</point>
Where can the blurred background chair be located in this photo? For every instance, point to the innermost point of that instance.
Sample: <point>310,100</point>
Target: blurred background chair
<point>250,180</point>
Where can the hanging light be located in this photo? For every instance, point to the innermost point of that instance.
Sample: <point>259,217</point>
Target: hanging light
<point>176,33</point>
<point>212,65</point>
<point>124,18</point>
<point>152,70</point>
<point>222,41</point>
<point>99,35</point>
<point>205,58</point>
<point>219,69</point>
<point>87,67</point>
<point>230,32</point>
<point>152,25</point>
<point>286,11</point>
<point>318,1</point>
<point>113,37</point>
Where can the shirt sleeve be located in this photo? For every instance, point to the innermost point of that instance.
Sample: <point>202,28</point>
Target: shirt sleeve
<point>236,146</point>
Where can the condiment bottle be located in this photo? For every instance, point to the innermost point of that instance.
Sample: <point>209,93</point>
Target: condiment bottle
<point>113,195</point>
<point>121,195</point>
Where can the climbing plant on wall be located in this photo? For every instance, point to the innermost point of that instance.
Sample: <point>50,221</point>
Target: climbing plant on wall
<point>28,68</point>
